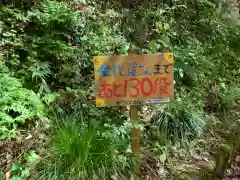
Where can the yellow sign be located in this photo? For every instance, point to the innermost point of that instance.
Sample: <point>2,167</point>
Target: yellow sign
<point>133,79</point>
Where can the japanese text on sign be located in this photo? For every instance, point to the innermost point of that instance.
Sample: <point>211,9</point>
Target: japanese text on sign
<point>126,80</point>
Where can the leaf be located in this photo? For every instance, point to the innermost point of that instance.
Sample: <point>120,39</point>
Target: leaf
<point>7,175</point>
<point>49,98</point>
<point>124,50</point>
<point>165,40</point>
<point>181,73</point>
<point>166,26</point>
<point>226,147</point>
<point>3,129</point>
<point>153,45</point>
<point>31,157</point>
<point>83,38</point>
<point>223,85</point>
<point>16,167</point>
<point>25,173</point>
<point>16,178</point>
<point>163,157</point>
<point>159,27</point>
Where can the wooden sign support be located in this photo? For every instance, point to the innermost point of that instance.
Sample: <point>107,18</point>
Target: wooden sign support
<point>135,138</point>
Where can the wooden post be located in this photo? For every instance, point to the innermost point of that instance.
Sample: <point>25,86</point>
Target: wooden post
<point>135,136</point>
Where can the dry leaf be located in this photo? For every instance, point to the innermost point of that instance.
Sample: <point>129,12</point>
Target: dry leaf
<point>132,178</point>
<point>7,175</point>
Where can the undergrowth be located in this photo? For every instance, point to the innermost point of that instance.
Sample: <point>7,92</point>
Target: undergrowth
<point>79,149</point>
<point>177,122</point>
<point>18,105</point>
<point>46,61</point>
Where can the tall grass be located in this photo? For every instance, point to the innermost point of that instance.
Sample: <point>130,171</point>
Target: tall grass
<point>177,122</point>
<point>79,150</point>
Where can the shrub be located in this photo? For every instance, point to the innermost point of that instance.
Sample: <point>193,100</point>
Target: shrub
<point>52,47</point>
<point>17,105</point>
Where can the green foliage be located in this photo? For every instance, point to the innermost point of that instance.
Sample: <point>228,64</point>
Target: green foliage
<point>52,47</point>
<point>229,99</point>
<point>227,152</point>
<point>48,47</point>
<point>82,150</point>
<point>17,104</point>
<point>2,174</point>
<point>177,122</point>
<point>224,100</point>
<point>31,158</point>
<point>55,16</point>
<point>19,172</point>
<point>202,52</point>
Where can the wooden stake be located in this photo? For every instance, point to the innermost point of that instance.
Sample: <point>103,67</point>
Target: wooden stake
<point>135,139</point>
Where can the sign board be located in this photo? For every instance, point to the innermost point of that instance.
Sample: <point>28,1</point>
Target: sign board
<point>133,79</point>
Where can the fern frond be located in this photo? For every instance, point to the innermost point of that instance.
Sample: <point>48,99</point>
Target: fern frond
<point>17,104</point>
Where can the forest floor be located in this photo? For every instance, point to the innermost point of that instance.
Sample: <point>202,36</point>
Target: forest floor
<point>151,169</point>
<point>233,172</point>
<point>180,160</point>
